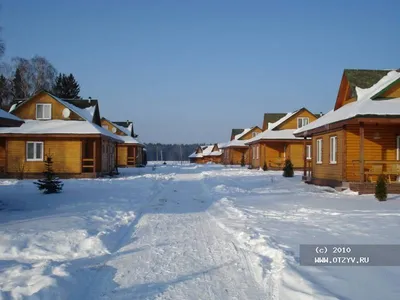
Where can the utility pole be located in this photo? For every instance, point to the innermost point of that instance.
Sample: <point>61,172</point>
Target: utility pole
<point>161,156</point>
<point>156,152</point>
<point>180,148</point>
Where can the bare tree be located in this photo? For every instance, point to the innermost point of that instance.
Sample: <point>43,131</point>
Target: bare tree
<point>36,73</point>
<point>2,47</point>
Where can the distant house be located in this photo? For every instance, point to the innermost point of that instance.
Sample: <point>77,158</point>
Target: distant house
<point>207,154</point>
<point>360,138</point>
<point>236,149</point>
<point>130,153</point>
<point>73,136</point>
<point>277,143</point>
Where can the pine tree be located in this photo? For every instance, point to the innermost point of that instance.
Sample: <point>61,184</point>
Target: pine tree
<point>381,188</point>
<point>18,85</point>
<point>242,161</point>
<point>265,168</point>
<point>66,87</point>
<point>50,183</point>
<point>288,169</point>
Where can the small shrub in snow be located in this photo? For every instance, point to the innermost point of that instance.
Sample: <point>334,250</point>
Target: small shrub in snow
<point>50,183</point>
<point>242,162</point>
<point>288,169</point>
<point>381,188</point>
<point>265,168</point>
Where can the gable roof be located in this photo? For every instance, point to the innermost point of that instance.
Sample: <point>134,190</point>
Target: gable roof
<point>127,138</point>
<point>9,120</point>
<point>91,105</point>
<point>128,125</point>
<point>363,78</point>
<point>271,118</point>
<point>363,107</point>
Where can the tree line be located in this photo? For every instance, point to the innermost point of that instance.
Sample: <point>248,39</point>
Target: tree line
<point>21,78</point>
<point>169,152</point>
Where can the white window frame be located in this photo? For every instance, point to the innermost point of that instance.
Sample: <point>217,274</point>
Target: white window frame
<point>44,105</point>
<point>254,152</point>
<point>319,151</point>
<point>254,134</point>
<point>302,119</point>
<point>308,152</point>
<point>258,151</point>
<point>34,151</point>
<point>333,150</point>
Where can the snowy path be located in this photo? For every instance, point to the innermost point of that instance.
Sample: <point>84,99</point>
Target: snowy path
<point>189,232</point>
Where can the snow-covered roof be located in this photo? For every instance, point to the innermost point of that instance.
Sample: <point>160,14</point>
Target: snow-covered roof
<point>6,115</point>
<point>235,143</point>
<point>122,129</point>
<point>130,140</point>
<point>285,134</point>
<point>196,155</point>
<point>86,114</point>
<point>59,127</point>
<point>243,133</point>
<point>271,126</point>
<point>364,106</point>
<point>207,151</point>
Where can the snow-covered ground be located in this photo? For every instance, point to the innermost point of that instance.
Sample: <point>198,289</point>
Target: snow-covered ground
<point>189,232</point>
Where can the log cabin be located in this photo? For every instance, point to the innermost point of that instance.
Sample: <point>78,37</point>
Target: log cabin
<point>235,150</point>
<point>359,139</point>
<point>207,154</point>
<point>131,152</point>
<point>73,136</point>
<point>277,143</point>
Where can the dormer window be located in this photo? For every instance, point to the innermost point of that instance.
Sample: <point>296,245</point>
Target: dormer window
<point>302,122</point>
<point>254,134</point>
<point>43,111</point>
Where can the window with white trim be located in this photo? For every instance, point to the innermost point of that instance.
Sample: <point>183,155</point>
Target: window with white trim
<point>254,134</point>
<point>319,151</point>
<point>258,151</point>
<point>308,151</point>
<point>302,121</point>
<point>398,148</point>
<point>254,152</point>
<point>332,149</point>
<point>34,151</point>
<point>43,111</point>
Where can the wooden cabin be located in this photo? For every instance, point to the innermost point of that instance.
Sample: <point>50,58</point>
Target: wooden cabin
<point>131,152</point>
<point>277,143</point>
<point>236,149</point>
<point>360,138</point>
<point>73,136</point>
<point>207,154</point>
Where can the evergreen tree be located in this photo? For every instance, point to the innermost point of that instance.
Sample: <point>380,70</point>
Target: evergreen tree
<point>288,169</point>
<point>18,85</point>
<point>50,183</point>
<point>265,168</point>
<point>242,162</point>
<point>381,188</point>
<point>66,87</point>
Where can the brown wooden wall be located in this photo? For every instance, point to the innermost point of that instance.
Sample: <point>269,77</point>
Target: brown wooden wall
<point>393,92</point>
<point>28,109</point>
<point>326,170</point>
<point>2,154</point>
<point>122,155</point>
<point>291,123</point>
<point>66,155</point>
<point>234,156</point>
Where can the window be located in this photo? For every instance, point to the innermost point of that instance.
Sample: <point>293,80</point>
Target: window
<point>34,151</point>
<point>303,121</point>
<point>254,152</point>
<point>254,134</point>
<point>398,148</point>
<point>333,149</point>
<point>43,111</point>
<point>258,151</point>
<point>105,126</point>
<point>319,151</point>
<point>308,151</point>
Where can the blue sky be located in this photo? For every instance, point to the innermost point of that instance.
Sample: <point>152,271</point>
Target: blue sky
<point>189,71</point>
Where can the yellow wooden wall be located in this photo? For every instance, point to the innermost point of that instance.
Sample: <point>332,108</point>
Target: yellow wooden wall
<point>122,155</point>
<point>382,147</point>
<point>291,123</point>
<point>235,155</point>
<point>28,110</point>
<point>249,135</point>
<point>393,92</point>
<point>66,156</point>
<point>111,126</point>
<point>326,170</point>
